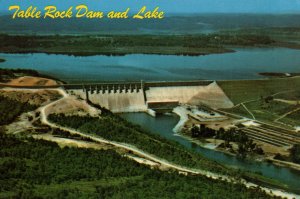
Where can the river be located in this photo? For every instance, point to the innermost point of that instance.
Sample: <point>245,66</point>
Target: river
<point>164,124</point>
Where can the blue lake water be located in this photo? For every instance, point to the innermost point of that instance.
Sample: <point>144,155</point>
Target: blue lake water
<point>243,64</point>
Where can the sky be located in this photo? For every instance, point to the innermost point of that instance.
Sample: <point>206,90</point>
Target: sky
<point>170,6</point>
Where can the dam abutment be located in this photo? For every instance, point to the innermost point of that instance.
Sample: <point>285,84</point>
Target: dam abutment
<point>158,96</point>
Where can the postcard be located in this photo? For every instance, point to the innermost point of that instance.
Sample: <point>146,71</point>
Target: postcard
<point>150,99</point>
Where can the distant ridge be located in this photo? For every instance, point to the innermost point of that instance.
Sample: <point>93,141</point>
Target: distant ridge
<point>190,24</point>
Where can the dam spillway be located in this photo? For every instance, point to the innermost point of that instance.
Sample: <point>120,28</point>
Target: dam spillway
<point>117,97</point>
<point>142,96</point>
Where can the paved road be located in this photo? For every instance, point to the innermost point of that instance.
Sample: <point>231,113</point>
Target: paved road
<point>154,158</point>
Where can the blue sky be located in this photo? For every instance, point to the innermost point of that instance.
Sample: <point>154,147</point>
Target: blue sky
<point>172,6</point>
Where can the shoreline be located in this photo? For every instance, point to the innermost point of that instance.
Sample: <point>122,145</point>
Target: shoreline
<point>114,53</point>
<point>184,118</point>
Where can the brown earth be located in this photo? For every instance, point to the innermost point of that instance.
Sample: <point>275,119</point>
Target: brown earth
<point>216,125</point>
<point>33,97</point>
<point>31,81</point>
<point>72,106</point>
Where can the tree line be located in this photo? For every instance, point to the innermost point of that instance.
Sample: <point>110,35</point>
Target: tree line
<point>41,169</point>
<point>245,144</point>
<point>10,109</point>
<point>115,128</point>
<point>191,41</point>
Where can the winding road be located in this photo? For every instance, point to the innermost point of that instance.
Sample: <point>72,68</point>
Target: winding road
<point>44,119</point>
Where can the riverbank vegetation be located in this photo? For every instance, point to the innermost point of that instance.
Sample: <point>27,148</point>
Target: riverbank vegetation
<point>40,169</point>
<point>2,60</point>
<point>294,155</point>
<point>114,128</point>
<point>246,145</point>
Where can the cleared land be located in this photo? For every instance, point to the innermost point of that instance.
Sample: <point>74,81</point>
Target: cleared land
<point>244,90</point>
<point>72,106</point>
<point>31,81</point>
<point>33,97</point>
<point>258,98</point>
<point>25,77</point>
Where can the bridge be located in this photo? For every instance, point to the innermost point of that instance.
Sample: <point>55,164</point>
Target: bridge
<point>113,86</point>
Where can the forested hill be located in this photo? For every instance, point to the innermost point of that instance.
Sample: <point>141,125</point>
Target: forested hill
<point>172,24</point>
<point>40,169</point>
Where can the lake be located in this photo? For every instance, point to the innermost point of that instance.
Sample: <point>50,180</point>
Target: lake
<point>243,64</point>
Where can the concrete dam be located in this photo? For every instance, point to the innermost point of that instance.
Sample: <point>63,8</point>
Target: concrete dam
<point>144,96</point>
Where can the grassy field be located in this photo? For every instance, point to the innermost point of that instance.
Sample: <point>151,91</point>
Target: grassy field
<point>243,91</point>
<point>289,96</point>
<point>292,119</point>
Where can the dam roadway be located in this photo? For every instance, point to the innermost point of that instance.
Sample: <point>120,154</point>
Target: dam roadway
<point>127,84</point>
